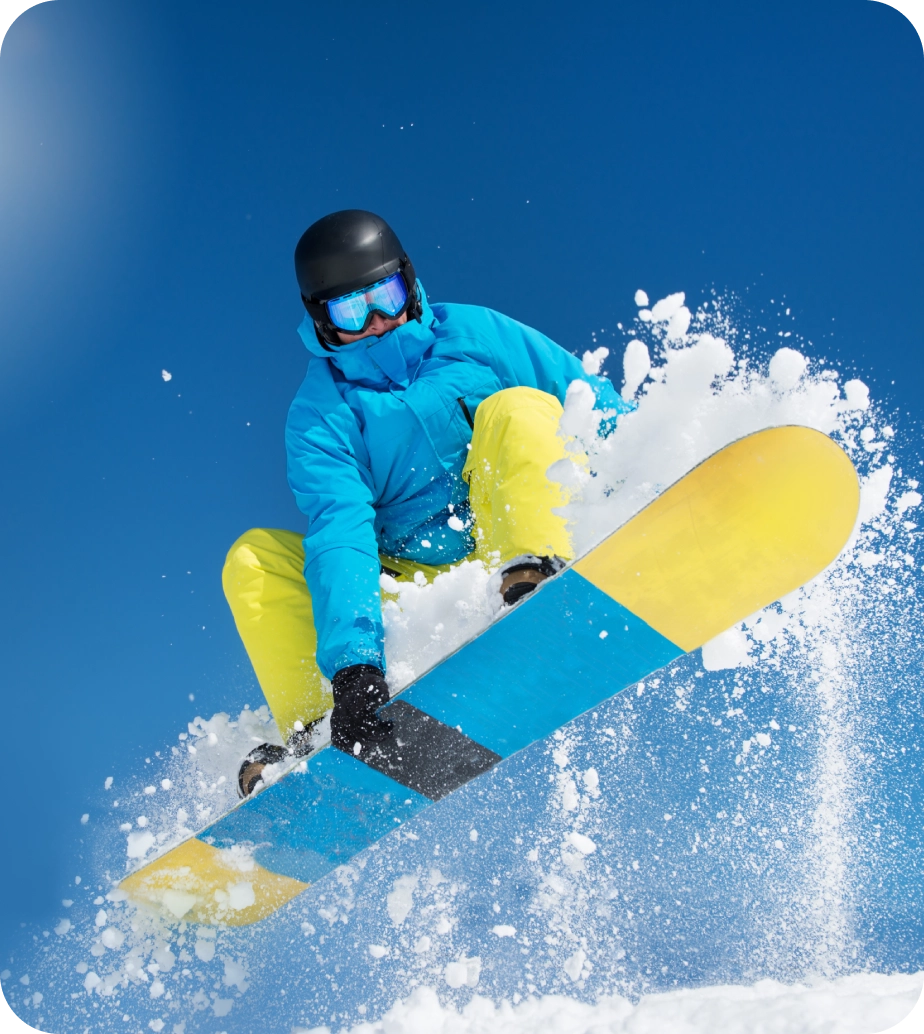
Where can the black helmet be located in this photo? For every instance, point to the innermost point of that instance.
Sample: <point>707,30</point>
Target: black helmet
<point>344,252</point>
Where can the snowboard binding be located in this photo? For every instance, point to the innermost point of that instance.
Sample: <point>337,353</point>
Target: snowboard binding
<point>523,575</point>
<point>250,774</point>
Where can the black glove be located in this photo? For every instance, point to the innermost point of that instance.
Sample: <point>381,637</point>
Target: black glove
<point>359,691</point>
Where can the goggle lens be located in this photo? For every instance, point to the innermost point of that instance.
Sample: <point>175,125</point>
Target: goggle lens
<point>352,313</point>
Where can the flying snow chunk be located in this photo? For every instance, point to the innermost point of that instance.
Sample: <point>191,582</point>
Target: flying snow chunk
<point>178,902</point>
<point>581,843</point>
<point>679,324</point>
<point>729,649</point>
<point>641,299</point>
<point>787,368</point>
<point>664,309</point>
<point>378,951</point>
<point>139,844</point>
<point>167,375</point>
<point>241,896</point>
<point>462,973</point>
<point>112,938</point>
<point>906,500</point>
<point>575,964</point>
<point>222,1006</point>
<point>874,493</point>
<point>636,365</point>
<point>592,361</point>
<point>504,931</point>
<point>569,797</point>
<point>857,395</point>
<point>235,975</point>
<point>401,899</point>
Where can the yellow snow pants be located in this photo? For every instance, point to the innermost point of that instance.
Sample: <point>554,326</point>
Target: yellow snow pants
<point>514,442</point>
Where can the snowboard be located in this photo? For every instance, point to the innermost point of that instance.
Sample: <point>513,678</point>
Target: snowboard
<point>755,521</point>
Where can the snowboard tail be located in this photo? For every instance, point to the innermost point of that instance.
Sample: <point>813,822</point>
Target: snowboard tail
<point>750,524</point>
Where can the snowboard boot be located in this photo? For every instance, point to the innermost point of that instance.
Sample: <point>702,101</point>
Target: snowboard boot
<point>251,770</point>
<point>520,576</point>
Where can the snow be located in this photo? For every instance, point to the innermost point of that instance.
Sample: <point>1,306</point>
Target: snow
<point>593,361</point>
<point>112,938</point>
<point>906,500</point>
<point>464,972</point>
<point>729,649</point>
<point>401,899</point>
<point>874,493</point>
<point>241,895</point>
<point>138,844</point>
<point>857,395</point>
<point>787,368</point>
<point>582,843</point>
<point>859,1004</point>
<point>235,974</point>
<point>636,365</point>
<point>177,902</point>
<point>672,312</point>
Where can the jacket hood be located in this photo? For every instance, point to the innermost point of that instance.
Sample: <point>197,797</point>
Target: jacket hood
<point>378,361</point>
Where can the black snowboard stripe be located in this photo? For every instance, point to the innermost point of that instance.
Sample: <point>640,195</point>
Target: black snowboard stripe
<point>425,755</point>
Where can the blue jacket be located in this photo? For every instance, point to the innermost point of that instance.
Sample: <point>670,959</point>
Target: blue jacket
<point>376,440</point>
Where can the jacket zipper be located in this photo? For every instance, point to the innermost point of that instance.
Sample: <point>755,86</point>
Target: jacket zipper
<point>468,416</point>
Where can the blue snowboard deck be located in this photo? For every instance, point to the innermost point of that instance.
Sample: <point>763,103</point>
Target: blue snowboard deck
<point>522,679</point>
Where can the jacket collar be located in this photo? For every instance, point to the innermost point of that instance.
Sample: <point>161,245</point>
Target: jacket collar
<point>378,361</point>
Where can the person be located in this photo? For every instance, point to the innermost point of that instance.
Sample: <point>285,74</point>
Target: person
<point>420,437</point>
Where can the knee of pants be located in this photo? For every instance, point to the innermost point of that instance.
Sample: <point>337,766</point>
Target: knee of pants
<point>519,403</point>
<point>513,426</point>
<point>257,550</point>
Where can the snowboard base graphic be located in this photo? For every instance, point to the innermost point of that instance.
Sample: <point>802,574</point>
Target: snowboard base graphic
<point>750,524</point>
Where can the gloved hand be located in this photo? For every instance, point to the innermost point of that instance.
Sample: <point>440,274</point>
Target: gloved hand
<point>359,691</point>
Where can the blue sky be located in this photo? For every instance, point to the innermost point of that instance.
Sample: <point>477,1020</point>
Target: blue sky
<point>157,165</point>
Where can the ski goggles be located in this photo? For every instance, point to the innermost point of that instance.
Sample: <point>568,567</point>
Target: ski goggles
<point>353,312</point>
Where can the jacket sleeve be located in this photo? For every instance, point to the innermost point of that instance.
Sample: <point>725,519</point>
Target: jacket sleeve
<point>555,368</point>
<point>333,490</point>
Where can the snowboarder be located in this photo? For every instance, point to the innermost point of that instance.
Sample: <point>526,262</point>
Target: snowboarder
<point>420,437</point>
